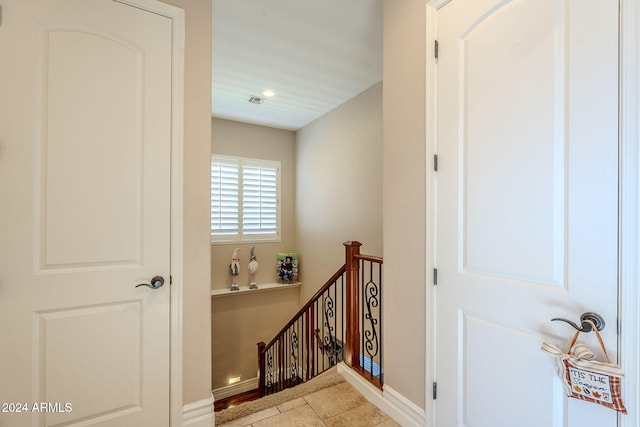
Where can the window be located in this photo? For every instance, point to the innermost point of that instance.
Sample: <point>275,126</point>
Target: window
<point>245,199</point>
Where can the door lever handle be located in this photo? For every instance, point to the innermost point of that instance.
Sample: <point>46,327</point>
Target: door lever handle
<point>156,282</point>
<point>588,320</point>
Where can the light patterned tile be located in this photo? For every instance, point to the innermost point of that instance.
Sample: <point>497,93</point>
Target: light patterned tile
<point>334,400</point>
<point>388,423</point>
<point>300,416</point>
<point>250,419</point>
<point>292,404</point>
<point>365,415</point>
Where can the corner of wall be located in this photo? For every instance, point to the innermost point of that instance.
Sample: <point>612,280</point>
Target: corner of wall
<point>392,403</point>
<point>199,414</point>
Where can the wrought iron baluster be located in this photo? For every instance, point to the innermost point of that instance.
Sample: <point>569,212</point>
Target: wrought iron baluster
<point>342,322</point>
<point>269,372</point>
<point>381,323</point>
<point>294,356</point>
<point>344,317</point>
<point>372,301</point>
<point>329,341</point>
<point>363,326</point>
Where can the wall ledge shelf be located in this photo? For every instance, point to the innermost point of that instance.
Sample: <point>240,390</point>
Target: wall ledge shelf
<point>261,288</point>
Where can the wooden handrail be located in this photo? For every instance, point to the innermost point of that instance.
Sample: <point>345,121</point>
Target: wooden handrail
<point>349,313</point>
<point>304,308</point>
<point>369,258</point>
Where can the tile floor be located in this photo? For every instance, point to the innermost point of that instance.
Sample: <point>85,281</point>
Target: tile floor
<point>338,406</point>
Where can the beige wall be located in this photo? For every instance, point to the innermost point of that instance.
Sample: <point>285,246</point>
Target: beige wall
<point>197,119</point>
<point>330,210</point>
<point>404,192</point>
<point>259,142</point>
<point>240,321</point>
<point>339,181</point>
<point>332,181</point>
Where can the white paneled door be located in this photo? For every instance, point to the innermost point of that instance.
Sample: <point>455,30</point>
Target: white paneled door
<point>85,150</point>
<point>527,204</point>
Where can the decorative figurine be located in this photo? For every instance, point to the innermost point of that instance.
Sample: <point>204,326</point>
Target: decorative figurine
<point>253,269</point>
<point>234,269</point>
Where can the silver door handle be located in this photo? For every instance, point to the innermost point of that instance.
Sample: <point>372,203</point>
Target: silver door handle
<point>156,283</point>
<point>586,321</point>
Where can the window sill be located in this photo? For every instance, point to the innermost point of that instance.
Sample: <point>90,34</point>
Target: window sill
<point>242,242</point>
<point>261,288</point>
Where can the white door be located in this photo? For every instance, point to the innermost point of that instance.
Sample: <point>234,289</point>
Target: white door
<point>527,188</point>
<point>85,113</point>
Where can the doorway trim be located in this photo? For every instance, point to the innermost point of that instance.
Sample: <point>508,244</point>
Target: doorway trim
<point>629,237</point>
<point>431,132</point>
<point>178,28</point>
<point>629,205</point>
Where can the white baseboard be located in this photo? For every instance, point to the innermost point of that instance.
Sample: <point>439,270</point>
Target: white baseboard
<point>199,414</point>
<point>410,413</point>
<point>392,403</point>
<point>237,388</point>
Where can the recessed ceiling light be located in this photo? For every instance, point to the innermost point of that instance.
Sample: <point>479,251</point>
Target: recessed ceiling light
<point>268,93</point>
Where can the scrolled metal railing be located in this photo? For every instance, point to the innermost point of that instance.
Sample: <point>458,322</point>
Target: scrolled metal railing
<point>341,322</point>
<point>371,320</point>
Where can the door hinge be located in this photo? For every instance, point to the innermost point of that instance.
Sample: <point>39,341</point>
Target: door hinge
<point>435,162</point>
<point>435,49</point>
<point>435,390</point>
<point>435,277</point>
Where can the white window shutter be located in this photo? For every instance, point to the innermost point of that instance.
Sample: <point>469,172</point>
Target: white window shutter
<point>245,203</point>
<point>225,208</point>
<point>259,200</point>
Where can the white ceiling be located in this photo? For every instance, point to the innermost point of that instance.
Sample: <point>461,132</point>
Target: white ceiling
<point>314,54</point>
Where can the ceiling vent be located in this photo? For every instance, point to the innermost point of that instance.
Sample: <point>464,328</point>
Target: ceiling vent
<point>256,100</point>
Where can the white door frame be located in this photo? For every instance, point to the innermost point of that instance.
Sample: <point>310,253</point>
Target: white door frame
<point>629,343</point>
<point>177,16</point>
<point>629,205</point>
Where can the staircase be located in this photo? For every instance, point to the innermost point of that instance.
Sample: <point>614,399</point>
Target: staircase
<point>341,322</point>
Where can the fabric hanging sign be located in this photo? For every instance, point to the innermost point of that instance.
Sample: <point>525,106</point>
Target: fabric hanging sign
<point>584,377</point>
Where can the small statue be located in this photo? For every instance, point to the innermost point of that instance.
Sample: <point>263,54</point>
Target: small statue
<point>234,269</point>
<point>253,269</point>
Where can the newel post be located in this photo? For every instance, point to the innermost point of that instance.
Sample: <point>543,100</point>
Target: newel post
<point>261,369</point>
<point>352,327</point>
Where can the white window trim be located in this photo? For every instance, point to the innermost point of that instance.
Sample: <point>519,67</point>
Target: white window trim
<point>241,237</point>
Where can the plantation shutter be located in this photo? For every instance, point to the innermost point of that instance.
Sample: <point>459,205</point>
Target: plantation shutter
<point>244,199</point>
<point>259,200</point>
<point>225,209</point>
